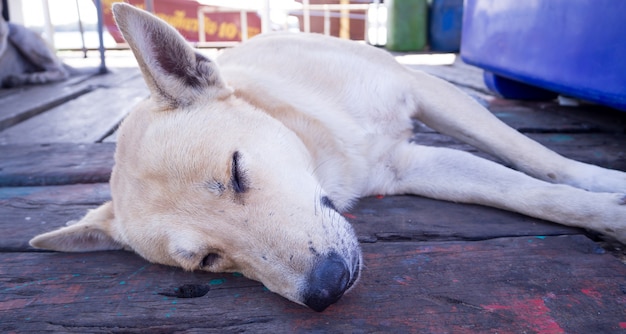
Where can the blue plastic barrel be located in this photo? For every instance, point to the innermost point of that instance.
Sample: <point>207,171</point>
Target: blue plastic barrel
<point>446,23</point>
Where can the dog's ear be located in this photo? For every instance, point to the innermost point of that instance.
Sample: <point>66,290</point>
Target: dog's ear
<point>92,233</point>
<point>175,73</point>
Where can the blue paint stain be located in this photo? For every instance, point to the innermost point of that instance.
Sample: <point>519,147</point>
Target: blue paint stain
<point>560,138</point>
<point>540,237</point>
<point>6,193</point>
<point>123,283</point>
<point>174,302</point>
<point>265,288</point>
<point>503,115</point>
<point>238,274</point>
<point>416,260</point>
<point>75,275</point>
<point>217,281</point>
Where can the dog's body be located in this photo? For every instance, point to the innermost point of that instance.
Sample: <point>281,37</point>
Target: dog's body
<point>25,58</point>
<point>244,166</point>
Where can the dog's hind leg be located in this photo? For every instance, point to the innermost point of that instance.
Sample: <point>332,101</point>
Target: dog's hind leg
<point>458,176</point>
<point>450,111</point>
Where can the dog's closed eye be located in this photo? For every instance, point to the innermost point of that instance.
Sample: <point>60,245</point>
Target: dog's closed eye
<point>238,177</point>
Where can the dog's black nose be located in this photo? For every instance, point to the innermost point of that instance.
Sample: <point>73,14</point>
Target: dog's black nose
<point>328,281</point>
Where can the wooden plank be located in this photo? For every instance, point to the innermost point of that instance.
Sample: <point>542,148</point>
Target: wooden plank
<point>55,164</point>
<point>411,218</point>
<point>63,163</point>
<point>606,150</point>
<point>22,103</point>
<point>408,218</point>
<point>29,211</point>
<point>602,149</point>
<point>543,117</point>
<point>87,119</point>
<point>509,285</point>
<point>27,102</point>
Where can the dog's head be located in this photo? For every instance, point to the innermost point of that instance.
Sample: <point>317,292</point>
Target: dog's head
<point>205,181</point>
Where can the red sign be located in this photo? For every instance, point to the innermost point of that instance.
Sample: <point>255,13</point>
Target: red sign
<point>183,15</point>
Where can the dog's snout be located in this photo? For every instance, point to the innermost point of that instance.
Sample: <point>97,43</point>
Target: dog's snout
<point>328,281</point>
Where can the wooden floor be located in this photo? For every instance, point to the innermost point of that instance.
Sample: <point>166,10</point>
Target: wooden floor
<point>430,266</point>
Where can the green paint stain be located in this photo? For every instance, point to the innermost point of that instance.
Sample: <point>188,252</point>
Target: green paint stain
<point>217,281</point>
<point>503,115</point>
<point>561,138</point>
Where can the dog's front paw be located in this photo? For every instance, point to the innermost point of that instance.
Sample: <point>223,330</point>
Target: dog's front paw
<point>614,226</point>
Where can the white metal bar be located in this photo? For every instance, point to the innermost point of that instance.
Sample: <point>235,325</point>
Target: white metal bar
<point>47,27</point>
<point>326,20</point>
<point>103,66</point>
<point>265,17</point>
<point>201,33</point>
<point>306,15</point>
<point>243,19</point>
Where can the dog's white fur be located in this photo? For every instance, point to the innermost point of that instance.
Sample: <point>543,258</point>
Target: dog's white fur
<point>26,59</point>
<point>244,161</point>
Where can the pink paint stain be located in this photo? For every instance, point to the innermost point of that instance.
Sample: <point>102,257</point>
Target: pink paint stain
<point>533,312</point>
<point>593,294</point>
<point>622,325</point>
<point>403,280</point>
<point>349,216</point>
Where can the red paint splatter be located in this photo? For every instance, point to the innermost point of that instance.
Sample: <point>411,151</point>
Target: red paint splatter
<point>622,324</point>
<point>380,196</point>
<point>534,312</point>
<point>349,216</point>
<point>403,280</point>
<point>593,294</point>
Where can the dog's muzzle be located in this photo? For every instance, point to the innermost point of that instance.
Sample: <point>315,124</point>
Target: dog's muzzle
<point>328,281</point>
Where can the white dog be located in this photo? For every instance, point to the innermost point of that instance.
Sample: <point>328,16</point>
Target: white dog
<point>25,58</point>
<point>243,165</point>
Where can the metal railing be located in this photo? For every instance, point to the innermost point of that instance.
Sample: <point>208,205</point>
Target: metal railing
<point>213,6</point>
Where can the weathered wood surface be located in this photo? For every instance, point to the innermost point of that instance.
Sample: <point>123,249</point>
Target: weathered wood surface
<point>80,120</point>
<point>520,285</point>
<point>40,209</point>
<point>67,163</point>
<point>19,104</point>
<point>54,164</point>
<point>430,266</point>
